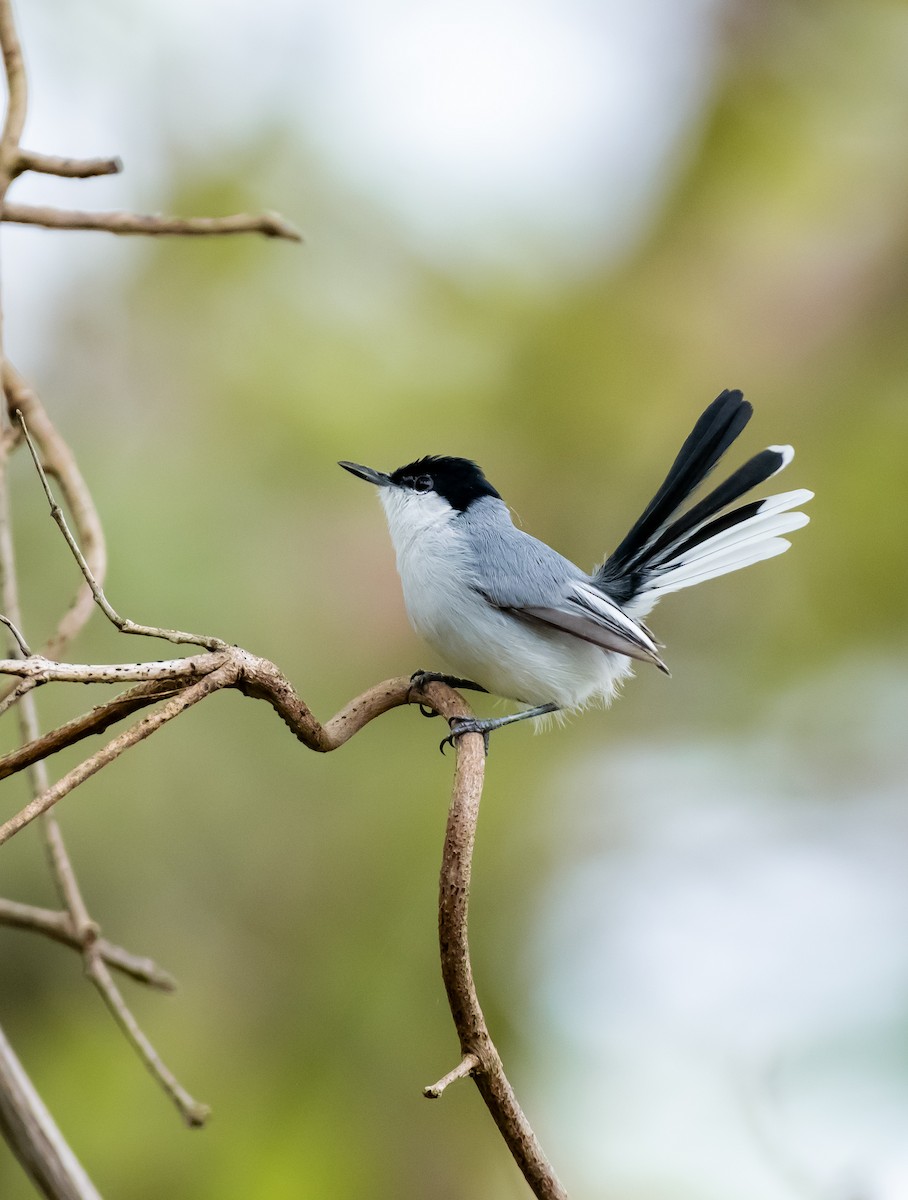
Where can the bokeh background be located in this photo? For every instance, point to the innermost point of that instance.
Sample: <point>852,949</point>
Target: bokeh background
<point>543,236</point>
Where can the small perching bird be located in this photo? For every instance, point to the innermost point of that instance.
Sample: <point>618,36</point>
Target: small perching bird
<point>523,622</point>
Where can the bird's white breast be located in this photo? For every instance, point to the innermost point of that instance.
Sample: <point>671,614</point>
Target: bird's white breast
<point>511,658</point>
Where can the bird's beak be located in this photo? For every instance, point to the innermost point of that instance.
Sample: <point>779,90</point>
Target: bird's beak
<point>379,478</point>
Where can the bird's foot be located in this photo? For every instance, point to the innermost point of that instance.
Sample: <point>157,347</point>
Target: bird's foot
<point>461,725</point>
<point>419,679</point>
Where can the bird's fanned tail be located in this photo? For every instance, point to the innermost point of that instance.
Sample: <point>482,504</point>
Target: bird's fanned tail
<point>661,555</point>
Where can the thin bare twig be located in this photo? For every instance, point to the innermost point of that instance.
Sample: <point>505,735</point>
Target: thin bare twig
<point>58,926</point>
<point>465,1067</point>
<point>15,694</point>
<point>122,623</point>
<point>67,168</point>
<point>192,1112</point>
<point>136,733</point>
<point>45,670</point>
<point>20,640</point>
<point>269,224</point>
<point>93,722</point>
<point>61,465</point>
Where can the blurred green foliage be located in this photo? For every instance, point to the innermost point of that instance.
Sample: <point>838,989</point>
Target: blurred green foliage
<point>208,390</point>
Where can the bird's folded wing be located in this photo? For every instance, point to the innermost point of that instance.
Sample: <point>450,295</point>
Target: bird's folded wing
<point>587,614</point>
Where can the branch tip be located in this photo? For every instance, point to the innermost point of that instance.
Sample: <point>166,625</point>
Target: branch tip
<point>468,1065</point>
<point>66,167</point>
<point>19,639</point>
<point>268,224</point>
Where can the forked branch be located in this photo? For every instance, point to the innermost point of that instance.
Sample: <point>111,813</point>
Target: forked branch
<point>58,926</point>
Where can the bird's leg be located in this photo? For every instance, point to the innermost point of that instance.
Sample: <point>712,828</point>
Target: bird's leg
<point>420,678</point>
<point>461,725</point>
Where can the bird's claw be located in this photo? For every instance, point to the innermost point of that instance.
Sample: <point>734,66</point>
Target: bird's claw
<point>421,678</point>
<point>461,725</point>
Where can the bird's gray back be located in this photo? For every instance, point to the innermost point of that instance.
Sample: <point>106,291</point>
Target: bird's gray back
<point>510,567</point>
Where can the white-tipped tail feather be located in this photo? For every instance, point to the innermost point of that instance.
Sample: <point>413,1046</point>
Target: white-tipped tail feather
<point>751,541</point>
<point>667,549</point>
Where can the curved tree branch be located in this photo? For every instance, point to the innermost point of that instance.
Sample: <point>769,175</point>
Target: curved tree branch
<point>480,1058</point>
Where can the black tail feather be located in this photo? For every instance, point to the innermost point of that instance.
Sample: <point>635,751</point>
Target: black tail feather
<point>754,472</point>
<point>713,433</point>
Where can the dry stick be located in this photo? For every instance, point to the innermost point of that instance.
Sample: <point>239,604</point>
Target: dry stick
<point>61,464</point>
<point>58,926</point>
<point>193,1113</point>
<point>86,930</point>
<point>19,639</point>
<point>96,721</point>
<point>15,694</point>
<point>44,670</point>
<point>68,168</point>
<point>479,1056</point>
<point>122,623</point>
<point>269,224</point>
<point>222,677</point>
<point>35,1140</point>
<point>467,1065</point>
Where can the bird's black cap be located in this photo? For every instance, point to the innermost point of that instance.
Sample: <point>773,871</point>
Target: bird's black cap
<point>458,480</point>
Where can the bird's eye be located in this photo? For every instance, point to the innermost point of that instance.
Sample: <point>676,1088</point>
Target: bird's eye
<point>422,483</point>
